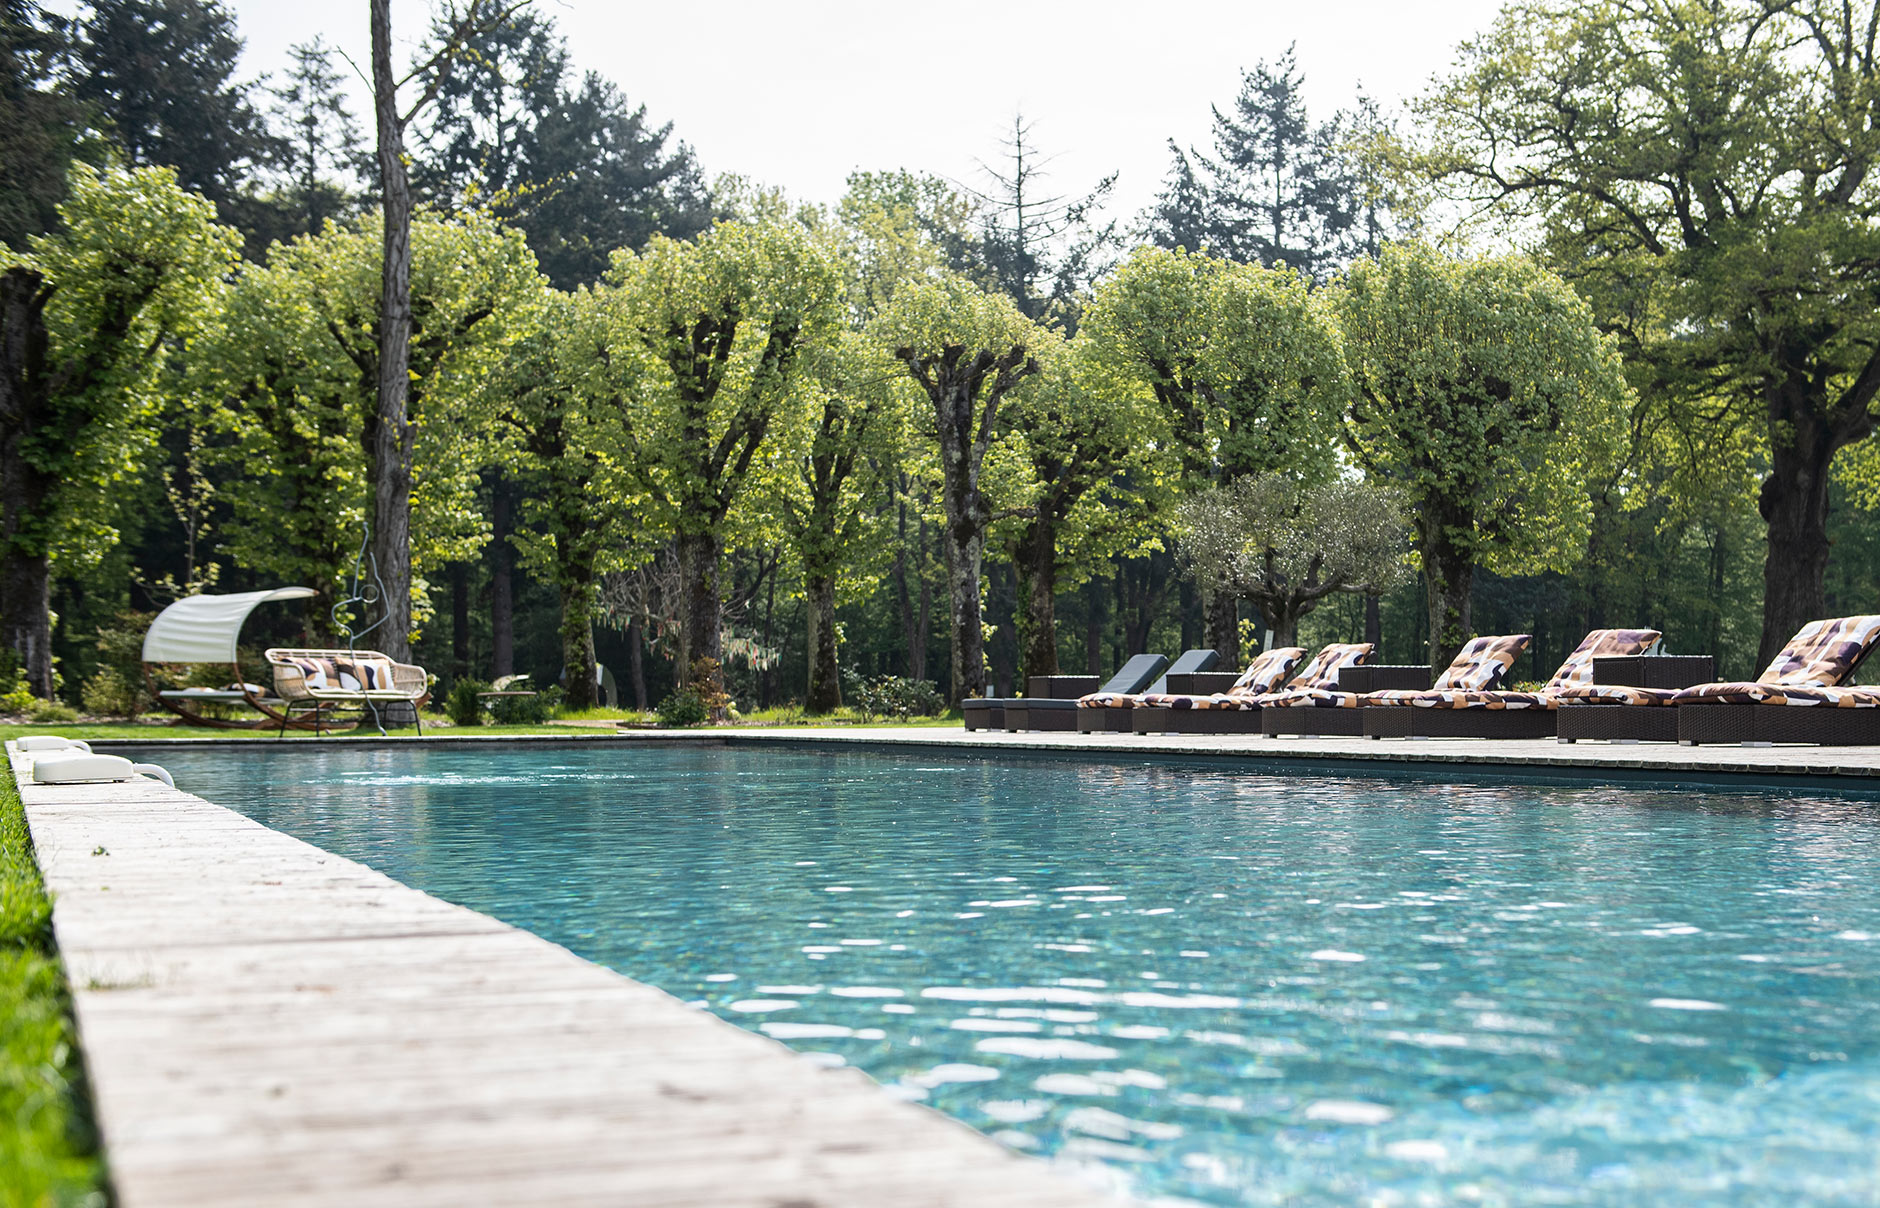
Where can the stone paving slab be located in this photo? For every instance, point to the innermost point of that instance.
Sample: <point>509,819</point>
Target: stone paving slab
<point>265,1023</point>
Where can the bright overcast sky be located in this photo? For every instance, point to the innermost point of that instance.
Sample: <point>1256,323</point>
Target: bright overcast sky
<point>800,95</point>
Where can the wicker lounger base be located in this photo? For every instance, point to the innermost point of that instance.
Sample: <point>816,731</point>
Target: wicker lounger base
<point>1819,724</point>
<point>1104,721</point>
<point>1021,716</point>
<point>983,717</point>
<point>1152,720</point>
<point>1624,723</point>
<point>1408,721</point>
<point>1312,723</point>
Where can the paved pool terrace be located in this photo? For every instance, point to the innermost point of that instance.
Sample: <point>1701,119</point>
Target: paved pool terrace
<point>267,1023</point>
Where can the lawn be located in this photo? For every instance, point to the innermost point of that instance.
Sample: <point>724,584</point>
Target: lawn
<point>48,1148</point>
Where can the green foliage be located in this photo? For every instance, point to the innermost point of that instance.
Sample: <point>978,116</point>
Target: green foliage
<point>683,707</point>
<point>40,123</point>
<point>1287,546</point>
<point>291,379</point>
<point>48,1149</point>
<point>462,706</point>
<point>136,269</point>
<point>530,710</point>
<point>894,697</point>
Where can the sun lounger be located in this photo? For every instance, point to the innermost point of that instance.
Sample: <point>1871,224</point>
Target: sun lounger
<point>1500,713</point>
<point>1016,712</point>
<point>1802,696</point>
<point>1479,666</point>
<point>1238,709</point>
<point>1109,712</point>
<point>1605,708</point>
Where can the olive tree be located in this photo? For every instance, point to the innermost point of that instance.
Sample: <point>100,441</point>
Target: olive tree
<point>1286,545</point>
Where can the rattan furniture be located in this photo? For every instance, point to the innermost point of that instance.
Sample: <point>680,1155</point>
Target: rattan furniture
<point>1823,725</point>
<point>1049,703</point>
<point>1634,723</point>
<point>1371,677</point>
<point>1160,719</point>
<point>1117,718</point>
<point>992,712</point>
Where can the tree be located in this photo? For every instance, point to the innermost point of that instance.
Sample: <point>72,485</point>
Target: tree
<point>1244,362</point>
<point>1094,445</point>
<point>966,351</point>
<point>319,151</point>
<point>567,159</point>
<point>1040,248</point>
<point>160,74</point>
<point>1706,173</point>
<point>391,432</point>
<point>1288,546</point>
<point>565,428</point>
<point>290,377</point>
<point>1486,395</point>
<point>721,322</point>
<point>1279,188</point>
<point>40,124</point>
<point>87,318</point>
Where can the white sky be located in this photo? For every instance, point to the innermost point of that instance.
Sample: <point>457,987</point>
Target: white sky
<point>800,95</point>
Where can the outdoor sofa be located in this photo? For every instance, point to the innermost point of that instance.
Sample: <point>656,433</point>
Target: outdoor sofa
<point>314,684</point>
<point>1238,709</point>
<point>1109,712</point>
<point>1803,695</point>
<point>995,712</point>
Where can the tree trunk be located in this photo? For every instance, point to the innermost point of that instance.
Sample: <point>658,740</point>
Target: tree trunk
<point>1094,597</point>
<point>636,662</point>
<point>459,620</point>
<point>966,548</point>
<point>825,684</point>
<point>1222,625</point>
<point>701,620</point>
<point>389,467</point>
<point>502,585</point>
<point>1794,505</point>
<point>999,611</point>
<point>1191,615</point>
<point>25,570</point>
<point>923,616</point>
<point>577,635</point>
<point>1374,625</point>
<point>1449,577</point>
<point>1036,565</point>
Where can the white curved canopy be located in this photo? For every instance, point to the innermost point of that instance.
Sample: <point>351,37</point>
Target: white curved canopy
<point>204,629</point>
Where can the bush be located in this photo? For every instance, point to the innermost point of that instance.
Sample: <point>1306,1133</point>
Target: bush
<point>685,707</point>
<point>462,706</point>
<point>892,696</point>
<point>109,694</point>
<point>525,710</point>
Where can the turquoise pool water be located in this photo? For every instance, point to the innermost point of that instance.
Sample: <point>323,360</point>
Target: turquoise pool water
<point>1225,987</point>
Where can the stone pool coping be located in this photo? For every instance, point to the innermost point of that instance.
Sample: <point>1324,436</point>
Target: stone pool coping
<point>1834,769</point>
<point>267,1023</point>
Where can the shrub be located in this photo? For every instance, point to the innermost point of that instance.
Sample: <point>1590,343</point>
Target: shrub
<point>685,707</point>
<point>893,696</point>
<point>50,710</point>
<point>109,694</point>
<point>525,710</point>
<point>462,706</point>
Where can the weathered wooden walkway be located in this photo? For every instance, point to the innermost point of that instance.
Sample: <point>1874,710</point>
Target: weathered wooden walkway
<point>266,1023</point>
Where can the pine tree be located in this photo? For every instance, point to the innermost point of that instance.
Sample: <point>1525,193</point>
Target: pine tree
<point>319,152</point>
<point>40,125</point>
<point>160,76</point>
<point>1040,248</point>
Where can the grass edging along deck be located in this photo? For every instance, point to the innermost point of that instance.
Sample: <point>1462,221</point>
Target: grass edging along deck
<point>48,1146</point>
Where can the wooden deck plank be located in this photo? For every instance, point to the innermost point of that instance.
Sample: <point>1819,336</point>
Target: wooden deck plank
<point>268,1023</point>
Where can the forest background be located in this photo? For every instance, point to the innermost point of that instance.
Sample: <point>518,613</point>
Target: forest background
<point>1585,335</point>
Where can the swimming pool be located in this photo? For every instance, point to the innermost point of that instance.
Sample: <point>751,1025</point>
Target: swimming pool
<point>1228,988</point>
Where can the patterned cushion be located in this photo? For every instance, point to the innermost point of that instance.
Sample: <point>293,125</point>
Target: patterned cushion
<point>1482,664</point>
<point>1823,653</point>
<point>1759,693</point>
<point>1616,694</point>
<point>1599,644</point>
<point>1219,700</point>
<point>1108,700</point>
<point>1322,671</point>
<point>1458,698</point>
<point>1313,698</point>
<point>1268,671</point>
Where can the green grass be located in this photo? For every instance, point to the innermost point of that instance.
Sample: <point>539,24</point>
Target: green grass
<point>48,1149</point>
